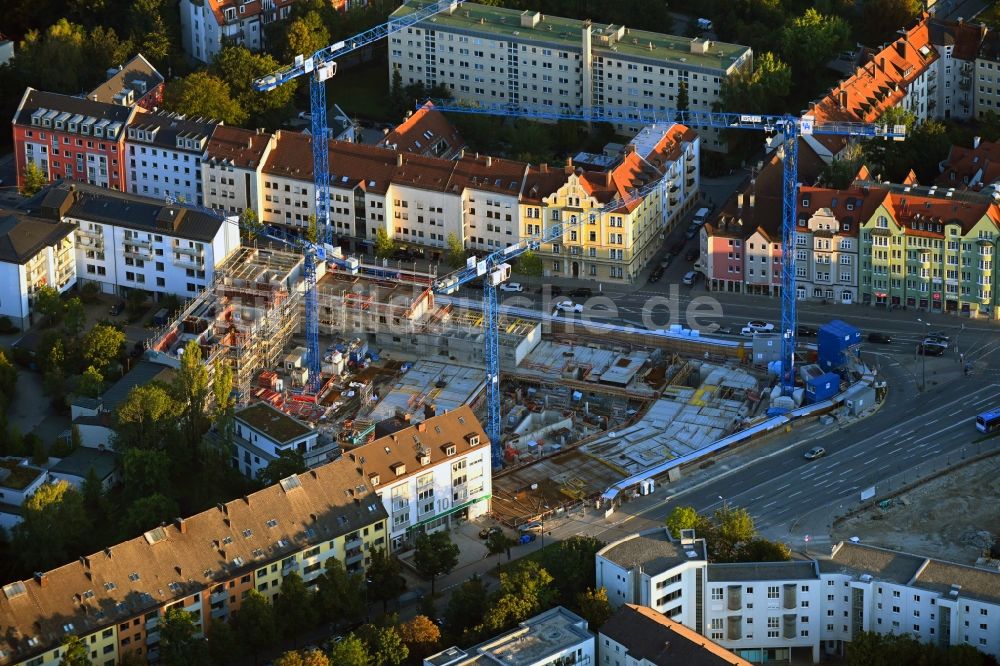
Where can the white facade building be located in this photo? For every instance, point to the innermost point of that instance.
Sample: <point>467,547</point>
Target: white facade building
<point>430,474</point>
<point>206,23</point>
<point>263,433</point>
<point>164,152</point>
<point>804,608</point>
<point>18,481</point>
<point>124,241</point>
<point>231,170</point>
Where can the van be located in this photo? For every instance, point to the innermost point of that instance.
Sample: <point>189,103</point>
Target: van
<point>700,217</point>
<point>704,24</point>
<point>690,277</point>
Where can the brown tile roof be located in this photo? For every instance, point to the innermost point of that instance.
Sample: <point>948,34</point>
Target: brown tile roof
<point>398,455</point>
<point>963,164</point>
<point>965,38</point>
<point>652,636</point>
<point>852,206</point>
<point>490,174</point>
<point>274,423</point>
<point>250,9</point>
<point>909,208</point>
<point>241,147</point>
<point>177,560</point>
<point>425,132</point>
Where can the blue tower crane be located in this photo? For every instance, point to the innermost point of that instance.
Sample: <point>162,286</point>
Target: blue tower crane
<point>322,66</point>
<point>789,127</point>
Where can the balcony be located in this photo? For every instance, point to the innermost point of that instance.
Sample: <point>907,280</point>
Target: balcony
<point>190,263</point>
<point>353,544</point>
<point>193,251</point>
<point>133,252</point>
<point>691,168</point>
<point>689,182</point>
<point>353,556</point>
<point>136,241</point>
<point>87,233</point>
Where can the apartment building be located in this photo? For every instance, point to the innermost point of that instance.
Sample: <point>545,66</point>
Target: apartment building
<point>950,87</point>
<point>135,83</point>
<point>35,251</point>
<point>974,168</point>
<point>124,241</point>
<point>263,433</point>
<point>613,246</point>
<point>115,599</point>
<point>639,636</point>
<point>557,636</point>
<point>931,249</point>
<point>207,24</point>
<point>527,59</point>
<point>425,132</point>
<point>71,138</point>
<point>165,151</point>
<point>19,480</point>
<point>802,609</point>
<point>232,168</point>
<point>987,75</point>
<point>429,474</point>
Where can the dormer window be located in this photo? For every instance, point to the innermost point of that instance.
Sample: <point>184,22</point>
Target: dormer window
<point>374,478</point>
<point>473,439</point>
<point>425,460</point>
<point>450,450</point>
<point>399,469</point>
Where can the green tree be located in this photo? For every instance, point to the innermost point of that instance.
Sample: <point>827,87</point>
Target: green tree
<point>349,652</point>
<point>206,95</point>
<point>524,591</point>
<point>67,71</point>
<point>93,493</point>
<point>384,244</point>
<point>145,472</point>
<point>687,518</point>
<point>312,230</point>
<point>421,636</point>
<point>146,419</point>
<point>148,512</point>
<point>306,35</point>
<point>466,607</point>
<point>191,392</point>
<point>39,456</point>
<point>135,304</point>
<point>74,317</point>
<point>293,607</point>
<point>75,652</point>
<point>762,90</point>
<point>340,596</point>
<point>303,658</point>
<point>224,646</point>
<point>762,550</point>
<point>34,179</point>
<point>812,39</point>
<point>102,347</point>
<point>180,644</point>
<point>456,252</point>
<point>251,224</point>
<point>397,99</point>
<point>734,527</point>
<point>154,28</point>
<point>683,100</point>
<point>385,582</point>
<point>8,381</point>
<point>255,623</point>
<point>91,383</point>
<point>570,564</point>
<point>223,400</point>
<point>287,463</point>
<point>498,543</point>
<point>49,304</point>
<point>435,556</point>
<point>529,264</point>
<point>55,526</point>
<point>238,67</point>
<point>880,19</point>
<point>384,645</point>
<point>593,606</point>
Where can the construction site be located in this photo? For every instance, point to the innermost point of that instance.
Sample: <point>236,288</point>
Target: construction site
<point>579,412</point>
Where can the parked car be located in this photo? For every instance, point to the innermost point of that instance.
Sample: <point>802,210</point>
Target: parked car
<point>815,452</point>
<point>526,538</point>
<point>691,232</point>
<point>117,308</point>
<point>678,247</point>
<point>581,292</point>
<point>554,289</point>
<point>516,287</point>
<point>691,255</point>
<point>690,277</point>
<point>700,217</point>
<point>930,349</point>
<point>937,339</point>
<point>759,326</point>
<point>533,526</point>
<point>880,338</point>
<point>665,263</point>
<point>569,306</point>
<point>806,332</point>
<point>656,275</point>
<point>724,330</point>
<point>486,532</point>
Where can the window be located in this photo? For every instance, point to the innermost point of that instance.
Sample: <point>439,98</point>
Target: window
<point>717,595</point>
<point>772,592</point>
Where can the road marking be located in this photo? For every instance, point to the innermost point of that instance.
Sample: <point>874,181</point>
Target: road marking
<point>898,448</point>
<point>859,454</point>
<point>787,485</point>
<point>869,462</point>
<point>770,504</point>
<point>931,422</point>
<point>797,492</point>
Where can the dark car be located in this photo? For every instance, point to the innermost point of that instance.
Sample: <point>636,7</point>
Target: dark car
<point>581,292</point>
<point>880,338</point>
<point>806,332</point>
<point>117,308</point>
<point>486,532</point>
<point>554,289</point>
<point>928,349</point>
<point>656,275</point>
<point>691,255</point>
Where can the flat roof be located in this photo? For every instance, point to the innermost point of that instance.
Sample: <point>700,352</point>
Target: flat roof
<point>739,572</point>
<point>653,550</point>
<point>82,460</point>
<point>274,423</point>
<point>565,33</point>
<point>880,563</point>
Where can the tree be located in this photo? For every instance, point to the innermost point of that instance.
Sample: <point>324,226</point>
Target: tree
<point>224,646</point>
<point>880,19</point>
<point>39,456</point>
<point>91,383</point>
<point>312,230</point>
<point>384,244</point>
<point>303,658</point>
<point>466,607</point>
<point>287,463</point>
<point>349,652</point>
<point>687,518</point>
<point>293,607</point>
<point>384,645</point>
<point>135,304</point>
<point>384,579</point>
<point>146,419</point>
<point>456,252</point>
<point>593,606</point>
<point>49,304</point>
<point>571,566</point>
<point>340,596</point>
<point>435,556</point>
<point>75,652</point>
<point>734,527</point>
<point>255,623</point>
<point>102,346</point>
<point>34,179</point>
<point>762,550</point>
<point>179,641</point>
<point>145,472</point>
<point>223,400</point>
<point>529,263</point>
<point>251,224</point>
<point>202,94</point>
<point>154,27</point>
<point>499,542</point>
<point>54,526</point>
<point>238,67</point>
<point>191,391</point>
<point>74,317</point>
<point>397,99</point>
<point>524,591</point>
<point>306,35</point>
<point>93,493</point>
<point>812,39</point>
<point>8,381</point>
<point>762,90</point>
<point>421,636</point>
<point>148,512</point>
<point>683,100</point>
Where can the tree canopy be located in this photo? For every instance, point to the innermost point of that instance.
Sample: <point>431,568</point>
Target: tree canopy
<point>435,555</point>
<point>729,533</point>
<point>206,95</point>
<point>55,522</point>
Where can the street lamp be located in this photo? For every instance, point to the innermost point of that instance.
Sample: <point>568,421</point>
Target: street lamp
<point>922,350</point>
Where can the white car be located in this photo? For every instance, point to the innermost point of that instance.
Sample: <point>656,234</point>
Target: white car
<point>569,306</point>
<point>760,326</point>
<point>512,286</point>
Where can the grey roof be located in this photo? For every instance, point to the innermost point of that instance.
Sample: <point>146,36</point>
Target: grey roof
<point>739,572</point>
<point>990,48</point>
<point>82,460</point>
<point>858,559</point>
<point>86,402</point>
<point>653,550</point>
<point>975,583</point>
<point>23,236</point>
<point>99,204</point>
<point>141,373</point>
<point>38,99</point>
<point>137,74</point>
<point>168,126</point>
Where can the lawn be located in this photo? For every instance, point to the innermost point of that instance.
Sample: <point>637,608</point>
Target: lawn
<point>362,91</point>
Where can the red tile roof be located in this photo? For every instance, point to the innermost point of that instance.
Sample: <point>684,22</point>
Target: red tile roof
<point>251,8</point>
<point>922,215</point>
<point>963,164</point>
<point>244,148</point>
<point>426,132</point>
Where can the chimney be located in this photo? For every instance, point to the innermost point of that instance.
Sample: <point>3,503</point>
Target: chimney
<point>421,427</point>
<point>569,162</point>
<point>975,142</point>
<point>181,525</point>
<point>881,64</point>
<point>544,168</point>
<point>901,48</point>
<point>41,578</point>
<point>842,99</point>
<point>489,160</point>
<point>430,411</point>
<point>399,159</point>
<point>461,154</point>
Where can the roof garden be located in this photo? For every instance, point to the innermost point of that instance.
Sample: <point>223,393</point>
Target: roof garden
<point>15,476</point>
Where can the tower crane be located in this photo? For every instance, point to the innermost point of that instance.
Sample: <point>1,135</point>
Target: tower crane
<point>790,128</point>
<point>322,66</point>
